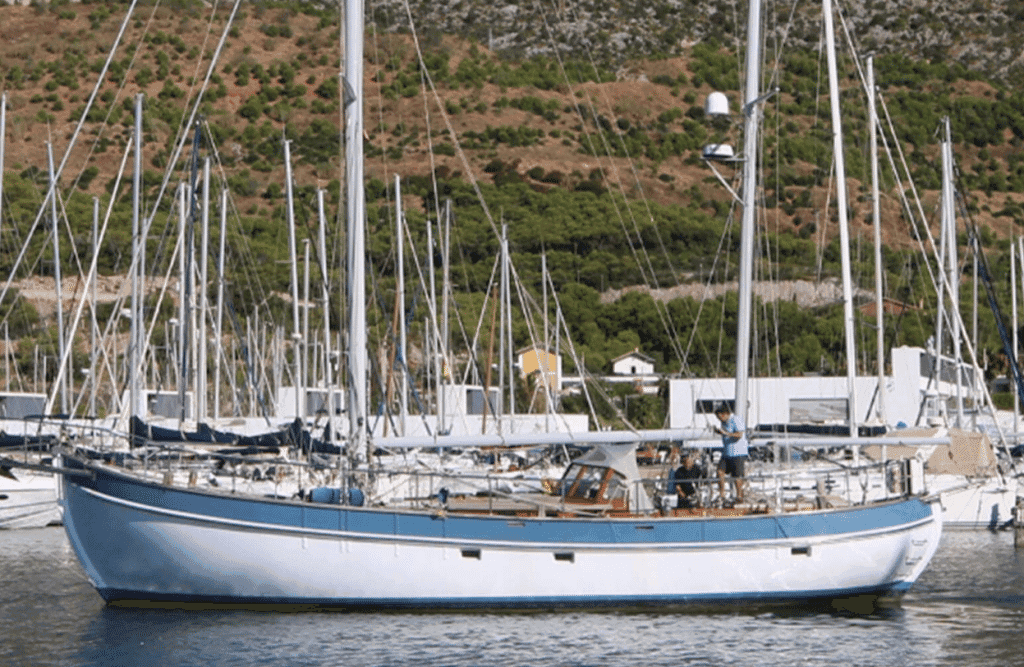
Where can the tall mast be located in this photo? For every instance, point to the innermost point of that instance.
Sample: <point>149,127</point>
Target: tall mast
<point>952,269</point>
<point>504,340</point>
<point>356,212</point>
<point>403,385</point>
<point>138,253</point>
<point>62,377</point>
<point>218,337</point>
<point>188,328</point>
<point>3,139</point>
<point>92,307</point>
<point>183,305</point>
<point>325,297</point>
<point>202,341</point>
<point>841,202</point>
<point>876,217</point>
<point>1016,346</point>
<point>294,258</point>
<point>434,345</point>
<point>304,347</point>
<point>447,371</point>
<point>751,113</point>
<point>1013,321</point>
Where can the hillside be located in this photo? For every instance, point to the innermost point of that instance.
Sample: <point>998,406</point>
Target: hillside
<point>277,74</point>
<point>592,157</point>
<point>979,35</point>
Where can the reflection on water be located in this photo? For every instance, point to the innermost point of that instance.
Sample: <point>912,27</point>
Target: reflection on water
<point>966,610</point>
<point>971,599</point>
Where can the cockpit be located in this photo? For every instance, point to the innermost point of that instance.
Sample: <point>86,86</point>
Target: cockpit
<point>584,483</point>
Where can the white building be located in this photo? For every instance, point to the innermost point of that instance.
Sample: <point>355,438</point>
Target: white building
<point>636,368</point>
<point>462,411</point>
<point>917,393</point>
<point>634,364</point>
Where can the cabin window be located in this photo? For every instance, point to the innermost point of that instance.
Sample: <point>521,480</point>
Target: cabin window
<point>616,488</point>
<point>569,479</point>
<point>593,483</point>
<point>589,484</point>
<point>582,482</point>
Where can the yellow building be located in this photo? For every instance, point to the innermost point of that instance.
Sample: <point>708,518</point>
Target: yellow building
<point>546,363</point>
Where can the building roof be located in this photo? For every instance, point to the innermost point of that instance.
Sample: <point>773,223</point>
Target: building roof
<point>636,354</point>
<point>534,348</point>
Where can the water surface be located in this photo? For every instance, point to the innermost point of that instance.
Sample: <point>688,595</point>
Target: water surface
<point>966,610</point>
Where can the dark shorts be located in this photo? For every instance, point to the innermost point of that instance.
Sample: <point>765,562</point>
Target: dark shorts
<point>733,465</point>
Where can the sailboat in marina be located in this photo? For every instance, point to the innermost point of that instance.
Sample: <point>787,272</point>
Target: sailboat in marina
<point>28,488</point>
<point>596,538</point>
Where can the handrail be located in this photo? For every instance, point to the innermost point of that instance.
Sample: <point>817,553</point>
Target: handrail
<point>775,489</point>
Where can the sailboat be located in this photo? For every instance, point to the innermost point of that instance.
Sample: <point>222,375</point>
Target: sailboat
<point>27,497</point>
<point>596,538</point>
<point>28,489</point>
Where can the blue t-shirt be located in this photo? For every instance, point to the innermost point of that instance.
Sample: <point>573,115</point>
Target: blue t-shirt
<point>734,446</point>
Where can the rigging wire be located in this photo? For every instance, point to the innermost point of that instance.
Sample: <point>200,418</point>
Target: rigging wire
<point>646,266</point>
<point>59,170</point>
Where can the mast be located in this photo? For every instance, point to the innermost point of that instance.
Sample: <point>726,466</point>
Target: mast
<point>1016,348</point>
<point>403,385</point>
<point>1013,320</point>
<point>305,313</point>
<point>294,258</point>
<point>219,338</point>
<point>325,298</point>
<point>92,307</point>
<point>751,113</point>
<point>952,270</point>
<point>503,335</point>
<point>183,305</point>
<point>202,341</point>
<point>545,368</point>
<point>844,231</point>
<point>62,377</point>
<point>3,140</point>
<point>510,345</point>
<point>188,328</point>
<point>876,217</point>
<point>433,346</point>
<point>138,275</point>
<point>356,212</point>
<point>446,346</point>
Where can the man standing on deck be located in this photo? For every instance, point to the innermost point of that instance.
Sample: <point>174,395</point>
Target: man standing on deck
<point>734,449</point>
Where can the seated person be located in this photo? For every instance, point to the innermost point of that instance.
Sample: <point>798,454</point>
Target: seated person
<point>686,489</point>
